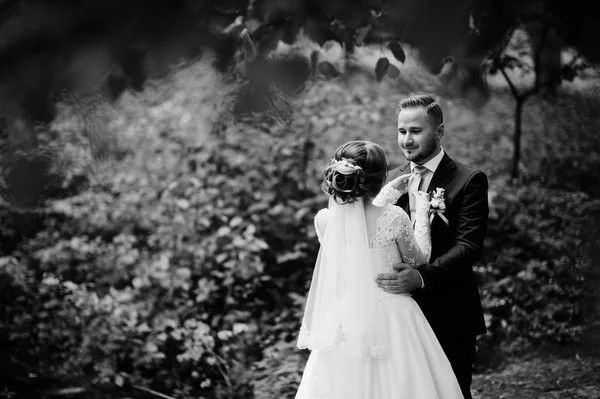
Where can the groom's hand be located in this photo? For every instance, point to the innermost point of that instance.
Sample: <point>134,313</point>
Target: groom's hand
<point>404,280</point>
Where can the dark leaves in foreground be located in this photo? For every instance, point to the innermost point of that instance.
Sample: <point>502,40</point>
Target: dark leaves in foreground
<point>397,50</point>
<point>328,69</point>
<point>392,71</point>
<point>381,68</point>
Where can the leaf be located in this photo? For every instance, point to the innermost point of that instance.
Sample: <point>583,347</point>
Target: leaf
<point>327,69</point>
<point>375,13</point>
<point>333,50</point>
<point>361,33</point>
<point>239,328</point>
<point>183,273</point>
<point>289,256</point>
<point>381,68</point>
<point>393,72</point>
<point>297,298</point>
<point>261,244</point>
<point>223,231</point>
<point>182,203</point>
<point>236,221</point>
<point>220,258</point>
<point>397,51</point>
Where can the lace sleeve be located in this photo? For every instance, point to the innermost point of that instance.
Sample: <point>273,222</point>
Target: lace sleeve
<point>387,195</point>
<point>321,223</point>
<point>423,230</point>
<point>414,246</point>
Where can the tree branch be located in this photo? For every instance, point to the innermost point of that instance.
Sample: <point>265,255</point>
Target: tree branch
<point>150,391</point>
<point>513,88</point>
<point>68,391</point>
<point>537,62</point>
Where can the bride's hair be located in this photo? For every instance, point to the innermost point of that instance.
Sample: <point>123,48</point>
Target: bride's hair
<point>358,168</point>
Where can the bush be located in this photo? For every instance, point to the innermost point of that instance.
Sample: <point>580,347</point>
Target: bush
<point>181,264</point>
<point>536,275</point>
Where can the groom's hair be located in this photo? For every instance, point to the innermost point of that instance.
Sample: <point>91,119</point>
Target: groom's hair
<point>424,101</point>
<point>359,168</point>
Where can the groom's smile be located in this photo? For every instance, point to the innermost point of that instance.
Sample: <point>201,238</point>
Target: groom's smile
<point>418,136</point>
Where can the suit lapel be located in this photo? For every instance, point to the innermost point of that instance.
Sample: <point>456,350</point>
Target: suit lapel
<point>443,174</point>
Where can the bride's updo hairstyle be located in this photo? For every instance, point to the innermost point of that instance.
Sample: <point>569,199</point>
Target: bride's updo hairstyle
<point>358,169</point>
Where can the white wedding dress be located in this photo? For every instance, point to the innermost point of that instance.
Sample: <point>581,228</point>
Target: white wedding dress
<point>400,355</point>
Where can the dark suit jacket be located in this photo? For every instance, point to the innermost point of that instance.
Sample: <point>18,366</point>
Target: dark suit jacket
<point>450,298</point>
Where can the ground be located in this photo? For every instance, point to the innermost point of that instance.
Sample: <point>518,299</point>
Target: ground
<point>542,377</point>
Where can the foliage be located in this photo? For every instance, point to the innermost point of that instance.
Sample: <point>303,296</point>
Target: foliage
<point>47,49</point>
<point>171,265</point>
<point>536,279</point>
<point>181,264</point>
<point>279,372</point>
<point>521,53</point>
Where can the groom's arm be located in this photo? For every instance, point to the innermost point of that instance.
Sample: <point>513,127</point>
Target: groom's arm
<point>468,238</point>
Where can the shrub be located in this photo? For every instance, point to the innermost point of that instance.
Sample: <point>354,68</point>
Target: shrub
<point>181,264</point>
<point>536,273</point>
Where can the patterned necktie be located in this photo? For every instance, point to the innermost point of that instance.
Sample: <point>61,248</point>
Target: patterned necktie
<point>415,183</point>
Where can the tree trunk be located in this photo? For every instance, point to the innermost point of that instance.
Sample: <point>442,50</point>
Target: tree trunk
<point>517,137</point>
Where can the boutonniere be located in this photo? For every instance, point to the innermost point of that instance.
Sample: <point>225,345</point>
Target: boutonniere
<point>437,205</point>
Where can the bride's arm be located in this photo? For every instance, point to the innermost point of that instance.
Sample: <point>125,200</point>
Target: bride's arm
<point>321,223</point>
<point>423,224</point>
<point>392,191</point>
<point>415,246</point>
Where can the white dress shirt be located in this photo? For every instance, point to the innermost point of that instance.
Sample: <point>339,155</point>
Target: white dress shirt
<point>431,166</point>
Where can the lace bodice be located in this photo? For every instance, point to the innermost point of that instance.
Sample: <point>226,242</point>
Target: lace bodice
<point>354,252</point>
<point>394,240</point>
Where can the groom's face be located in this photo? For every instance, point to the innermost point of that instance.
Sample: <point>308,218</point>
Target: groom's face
<point>418,138</point>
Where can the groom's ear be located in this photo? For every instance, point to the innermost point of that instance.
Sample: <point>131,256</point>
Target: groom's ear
<point>440,131</point>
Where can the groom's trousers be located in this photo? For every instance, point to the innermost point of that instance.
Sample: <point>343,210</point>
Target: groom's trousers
<point>460,350</point>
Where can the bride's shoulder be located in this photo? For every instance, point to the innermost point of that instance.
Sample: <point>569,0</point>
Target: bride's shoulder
<point>322,213</point>
<point>397,214</point>
<point>395,210</point>
<point>321,218</point>
<point>391,215</point>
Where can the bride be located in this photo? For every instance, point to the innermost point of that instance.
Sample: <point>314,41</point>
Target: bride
<point>366,343</point>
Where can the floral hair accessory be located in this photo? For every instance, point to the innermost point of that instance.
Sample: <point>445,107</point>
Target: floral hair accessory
<point>344,162</point>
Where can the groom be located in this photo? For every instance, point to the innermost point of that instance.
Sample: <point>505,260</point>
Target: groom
<point>445,288</point>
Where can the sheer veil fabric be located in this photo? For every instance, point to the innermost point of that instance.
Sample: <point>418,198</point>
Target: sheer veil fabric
<point>339,307</point>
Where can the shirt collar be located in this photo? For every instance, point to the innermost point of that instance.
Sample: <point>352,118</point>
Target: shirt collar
<point>432,164</point>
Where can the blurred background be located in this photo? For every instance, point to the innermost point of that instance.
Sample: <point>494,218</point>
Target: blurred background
<point>160,164</point>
